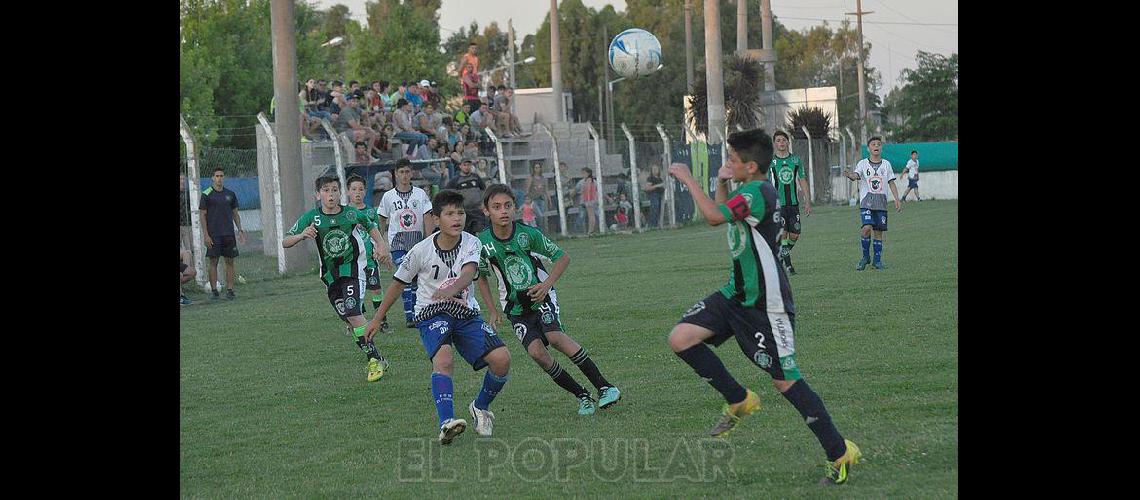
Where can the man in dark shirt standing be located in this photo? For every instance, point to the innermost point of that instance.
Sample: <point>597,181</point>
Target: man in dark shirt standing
<point>184,240</point>
<point>219,207</point>
<point>471,186</point>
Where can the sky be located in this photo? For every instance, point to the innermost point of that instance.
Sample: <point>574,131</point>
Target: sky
<point>928,25</point>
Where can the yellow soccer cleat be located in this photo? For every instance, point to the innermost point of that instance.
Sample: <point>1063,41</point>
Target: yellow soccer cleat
<point>733,413</point>
<point>837,470</point>
<point>376,369</point>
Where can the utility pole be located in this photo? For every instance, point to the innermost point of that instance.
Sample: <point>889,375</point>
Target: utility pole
<point>609,124</point>
<point>741,26</point>
<point>511,52</point>
<point>555,62</point>
<point>688,46</point>
<point>766,38</point>
<point>287,119</point>
<point>862,86</point>
<point>713,72</point>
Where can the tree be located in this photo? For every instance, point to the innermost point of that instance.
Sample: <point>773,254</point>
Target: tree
<point>815,119</point>
<point>743,80</point>
<point>926,107</point>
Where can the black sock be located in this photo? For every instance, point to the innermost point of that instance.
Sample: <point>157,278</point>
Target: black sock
<point>582,359</point>
<point>810,406</point>
<point>369,349</point>
<point>565,381</point>
<point>710,368</point>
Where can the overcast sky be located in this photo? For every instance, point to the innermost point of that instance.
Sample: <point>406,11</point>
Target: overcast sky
<point>929,25</point>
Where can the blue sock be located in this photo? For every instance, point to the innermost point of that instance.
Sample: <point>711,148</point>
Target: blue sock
<point>409,298</point>
<point>492,385</point>
<point>866,242</point>
<point>444,392</point>
<point>810,406</point>
<point>878,251</point>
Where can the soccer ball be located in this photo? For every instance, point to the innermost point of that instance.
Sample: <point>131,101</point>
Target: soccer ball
<point>635,52</point>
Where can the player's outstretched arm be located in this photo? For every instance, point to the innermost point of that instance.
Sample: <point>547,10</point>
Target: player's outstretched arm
<point>390,297</point>
<point>705,204</point>
<point>310,232</point>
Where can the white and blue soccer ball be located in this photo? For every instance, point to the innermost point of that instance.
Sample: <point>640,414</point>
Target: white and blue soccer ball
<point>635,52</point>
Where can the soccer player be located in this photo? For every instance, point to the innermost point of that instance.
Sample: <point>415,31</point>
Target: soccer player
<point>755,306</point>
<point>356,188</point>
<point>875,172</point>
<point>911,173</point>
<point>186,273</point>
<point>448,316</point>
<point>339,232</point>
<point>527,296</point>
<point>788,175</point>
<point>404,209</point>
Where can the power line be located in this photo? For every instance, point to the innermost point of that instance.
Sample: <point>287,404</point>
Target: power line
<point>916,21</point>
<point>865,22</point>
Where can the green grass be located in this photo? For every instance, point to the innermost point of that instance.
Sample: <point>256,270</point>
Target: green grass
<point>274,401</point>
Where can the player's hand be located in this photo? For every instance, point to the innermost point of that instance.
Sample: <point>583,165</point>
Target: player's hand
<point>680,171</point>
<point>538,292</point>
<point>209,241</point>
<point>310,232</point>
<point>724,173</point>
<point>807,210</point>
<point>898,205</point>
<point>370,330</point>
<point>383,258</point>
<point>496,318</point>
<point>442,294</point>
<point>241,237</point>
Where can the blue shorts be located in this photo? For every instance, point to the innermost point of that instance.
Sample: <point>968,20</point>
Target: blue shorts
<point>877,219</point>
<point>471,337</point>
<point>912,183</point>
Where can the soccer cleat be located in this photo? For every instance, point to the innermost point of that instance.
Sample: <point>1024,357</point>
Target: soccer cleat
<point>586,406</point>
<point>837,471</point>
<point>385,327</point>
<point>451,428</point>
<point>411,324</point>
<point>733,413</point>
<point>184,300</point>
<point>608,396</point>
<point>230,294</point>
<point>790,270</point>
<point>214,295</point>
<point>862,264</point>
<point>877,265</point>
<point>484,419</point>
<point>376,369</point>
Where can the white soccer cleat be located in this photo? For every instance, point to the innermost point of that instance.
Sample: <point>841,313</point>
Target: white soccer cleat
<point>484,419</point>
<point>451,428</point>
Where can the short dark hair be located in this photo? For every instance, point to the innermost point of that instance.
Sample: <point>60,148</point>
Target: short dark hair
<point>780,132</point>
<point>401,103</point>
<point>337,82</point>
<point>589,173</point>
<point>502,87</point>
<point>383,83</point>
<point>472,43</point>
<point>495,189</point>
<point>753,145</point>
<point>360,143</point>
<point>354,82</point>
<point>874,138</point>
<point>914,151</point>
<point>325,179</point>
<point>403,162</point>
<point>217,169</point>
<point>355,178</point>
<point>445,198</point>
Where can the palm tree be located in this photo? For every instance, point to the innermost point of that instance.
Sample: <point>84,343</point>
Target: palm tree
<point>743,81</point>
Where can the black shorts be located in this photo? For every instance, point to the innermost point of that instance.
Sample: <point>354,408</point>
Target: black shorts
<point>346,295</point>
<point>774,352</point>
<point>372,278</point>
<point>790,218</point>
<point>224,246</point>
<point>533,325</point>
<point>182,267</point>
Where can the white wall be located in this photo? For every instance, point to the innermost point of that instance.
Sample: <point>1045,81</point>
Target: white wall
<point>528,102</point>
<point>938,185</point>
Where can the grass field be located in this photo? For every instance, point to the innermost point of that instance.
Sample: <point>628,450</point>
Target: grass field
<point>274,401</point>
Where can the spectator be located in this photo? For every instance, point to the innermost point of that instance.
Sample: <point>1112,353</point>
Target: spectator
<point>405,128</point>
<point>470,151</point>
<point>354,88</point>
<point>482,119</point>
<point>431,172</point>
<point>483,168</point>
<point>321,96</point>
<point>219,208</point>
<point>471,185</point>
<point>621,216</point>
<point>451,130</point>
<point>528,213</point>
<point>506,120</point>
<point>470,59</point>
<point>362,155</point>
<point>186,273</point>
<point>309,95</point>
<point>536,192</point>
<point>466,134</point>
<point>336,98</point>
<point>425,120</point>
<point>349,122</point>
<point>462,116</point>
<point>384,90</point>
<point>587,188</point>
<point>655,188</point>
<point>412,94</point>
<point>469,80</point>
<point>399,94</point>
<point>184,234</point>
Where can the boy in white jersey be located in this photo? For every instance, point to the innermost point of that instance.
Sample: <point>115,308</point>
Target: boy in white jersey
<point>911,173</point>
<point>404,209</point>
<point>445,265</point>
<point>875,172</point>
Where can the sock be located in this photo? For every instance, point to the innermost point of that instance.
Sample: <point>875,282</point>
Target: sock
<point>369,348</point>
<point>409,298</point>
<point>565,381</point>
<point>710,368</point>
<point>582,359</point>
<point>878,251</point>
<point>444,393</point>
<point>784,248</point>
<point>791,243</point>
<point>866,242</point>
<point>492,386</point>
<point>810,406</point>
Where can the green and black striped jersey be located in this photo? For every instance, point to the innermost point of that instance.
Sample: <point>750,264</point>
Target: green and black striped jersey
<point>757,278</point>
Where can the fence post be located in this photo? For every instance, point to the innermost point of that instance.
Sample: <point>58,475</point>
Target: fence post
<point>276,168</point>
<point>667,159</point>
<point>499,152</point>
<point>633,178</point>
<point>195,195</point>
<point>855,149</point>
<point>339,161</point>
<point>597,179</point>
<point>811,166</point>
<point>557,177</point>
